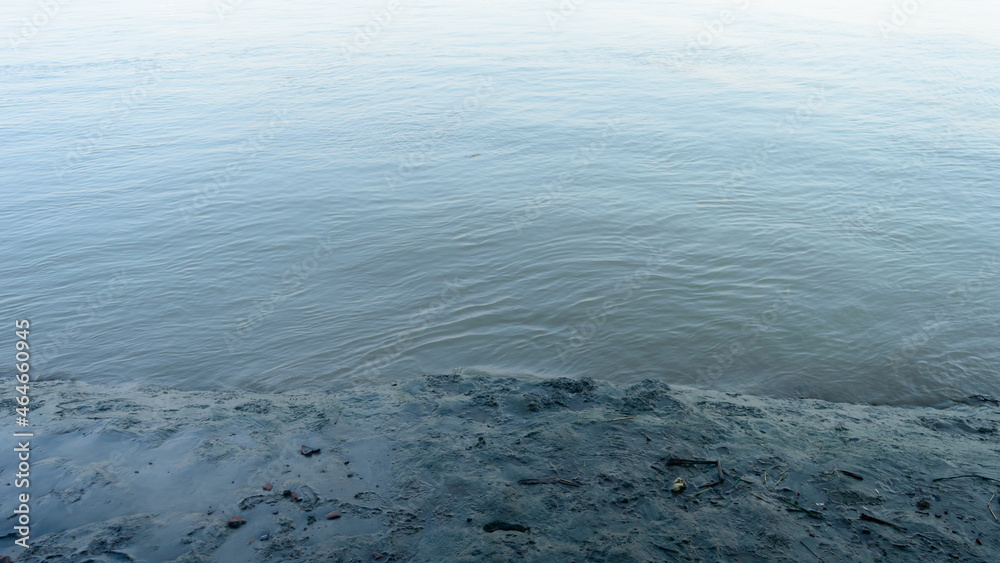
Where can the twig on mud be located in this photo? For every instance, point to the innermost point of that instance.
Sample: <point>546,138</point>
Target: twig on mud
<point>549,481</point>
<point>718,465</point>
<point>991,479</point>
<point>870,518</point>
<point>795,507</point>
<point>620,418</point>
<point>782,476</point>
<point>850,474</point>
<point>989,505</point>
<point>810,550</point>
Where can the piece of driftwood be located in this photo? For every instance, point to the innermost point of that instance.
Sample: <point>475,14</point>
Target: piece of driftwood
<point>851,474</point>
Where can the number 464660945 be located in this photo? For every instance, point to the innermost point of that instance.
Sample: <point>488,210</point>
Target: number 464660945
<point>22,366</point>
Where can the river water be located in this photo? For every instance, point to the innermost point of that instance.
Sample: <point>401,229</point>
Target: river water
<point>788,199</point>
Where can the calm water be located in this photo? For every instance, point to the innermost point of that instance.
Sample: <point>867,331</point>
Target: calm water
<point>798,202</point>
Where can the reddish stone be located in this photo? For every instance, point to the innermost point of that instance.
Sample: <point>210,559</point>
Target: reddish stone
<point>236,522</point>
<point>333,515</point>
<point>267,486</point>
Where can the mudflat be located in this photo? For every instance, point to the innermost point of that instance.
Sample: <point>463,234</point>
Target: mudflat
<point>452,468</point>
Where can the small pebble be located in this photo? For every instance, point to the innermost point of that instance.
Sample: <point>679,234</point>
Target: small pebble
<point>377,555</point>
<point>235,522</point>
<point>265,537</point>
<point>268,486</point>
<point>333,515</point>
<point>923,504</point>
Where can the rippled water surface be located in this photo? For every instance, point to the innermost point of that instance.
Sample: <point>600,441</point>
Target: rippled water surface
<point>788,199</point>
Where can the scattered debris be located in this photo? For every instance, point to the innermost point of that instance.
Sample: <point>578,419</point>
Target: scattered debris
<point>869,518</point>
<point>235,522</point>
<point>718,465</point>
<point>504,526</point>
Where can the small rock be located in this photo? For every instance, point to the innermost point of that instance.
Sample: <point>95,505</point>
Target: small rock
<point>978,542</point>
<point>333,515</point>
<point>377,555</point>
<point>679,485</point>
<point>265,537</point>
<point>293,494</point>
<point>235,522</point>
<point>307,451</point>
<point>268,486</point>
<point>923,504</point>
<point>938,515</point>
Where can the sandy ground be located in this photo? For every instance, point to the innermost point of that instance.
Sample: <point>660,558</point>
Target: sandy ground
<point>420,470</point>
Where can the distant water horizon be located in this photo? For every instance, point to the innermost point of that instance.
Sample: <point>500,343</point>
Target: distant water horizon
<point>777,198</point>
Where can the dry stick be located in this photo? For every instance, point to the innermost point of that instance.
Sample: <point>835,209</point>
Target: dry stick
<point>810,550</point>
<point>883,522</point>
<point>621,418</point>
<point>964,476</point>
<point>809,513</point>
<point>782,476</point>
<point>680,461</point>
<point>718,465</point>
<point>988,505</point>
